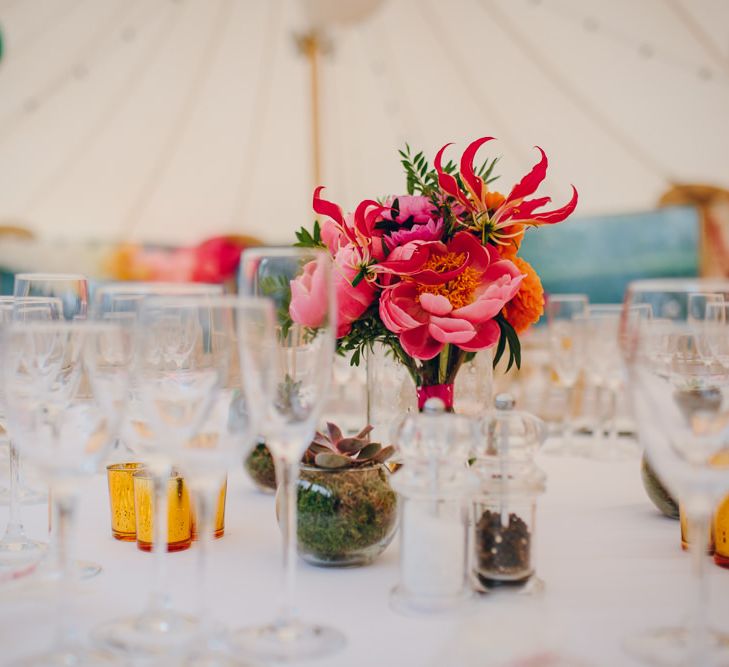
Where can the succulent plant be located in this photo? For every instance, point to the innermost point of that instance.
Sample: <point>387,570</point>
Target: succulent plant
<point>332,450</point>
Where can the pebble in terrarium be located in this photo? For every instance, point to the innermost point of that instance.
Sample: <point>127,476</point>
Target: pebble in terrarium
<point>505,506</point>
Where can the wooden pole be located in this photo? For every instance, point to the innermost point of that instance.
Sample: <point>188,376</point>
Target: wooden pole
<point>310,45</point>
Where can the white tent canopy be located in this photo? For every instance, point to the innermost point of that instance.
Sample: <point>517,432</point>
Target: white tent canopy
<point>173,120</point>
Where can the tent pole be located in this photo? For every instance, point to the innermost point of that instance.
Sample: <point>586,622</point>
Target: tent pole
<point>310,45</point>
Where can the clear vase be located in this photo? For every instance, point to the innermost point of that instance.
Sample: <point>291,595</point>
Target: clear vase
<point>391,392</point>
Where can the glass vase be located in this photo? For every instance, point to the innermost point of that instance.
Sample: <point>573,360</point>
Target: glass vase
<point>391,391</point>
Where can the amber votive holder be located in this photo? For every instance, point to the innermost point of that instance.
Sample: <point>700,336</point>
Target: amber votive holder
<point>179,515</point>
<point>121,499</point>
<point>219,514</point>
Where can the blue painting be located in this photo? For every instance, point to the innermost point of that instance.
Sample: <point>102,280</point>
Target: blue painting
<point>599,256</point>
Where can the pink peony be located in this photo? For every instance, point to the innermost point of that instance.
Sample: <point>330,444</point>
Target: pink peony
<point>352,302</point>
<point>415,219</point>
<point>310,296</point>
<point>460,309</point>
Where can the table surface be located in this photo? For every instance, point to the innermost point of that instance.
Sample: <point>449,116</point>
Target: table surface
<point>611,566</point>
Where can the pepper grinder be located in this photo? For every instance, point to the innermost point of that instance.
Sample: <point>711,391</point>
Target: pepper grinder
<point>505,507</point>
<point>435,488</point>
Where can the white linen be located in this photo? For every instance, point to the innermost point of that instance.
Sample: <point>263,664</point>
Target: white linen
<point>611,565</point>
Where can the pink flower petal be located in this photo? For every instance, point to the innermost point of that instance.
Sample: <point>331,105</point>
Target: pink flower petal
<point>451,330</point>
<point>487,335</point>
<point>419,344</point>
<point>435,304</point>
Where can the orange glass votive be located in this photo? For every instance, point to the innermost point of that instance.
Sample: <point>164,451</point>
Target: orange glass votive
<point>179,523</point>
<point>219,514</point>
<point>120,477</point>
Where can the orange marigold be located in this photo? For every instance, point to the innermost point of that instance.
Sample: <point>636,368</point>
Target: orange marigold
<point>528,304</point>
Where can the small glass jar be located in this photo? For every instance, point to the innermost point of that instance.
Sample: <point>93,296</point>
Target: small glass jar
<point>435,487</point>
<point>346,516</point>
<point>504,510</point>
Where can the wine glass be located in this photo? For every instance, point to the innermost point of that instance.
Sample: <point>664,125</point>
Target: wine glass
<point>71,288</point>
<point>17,551</point>
<point>565,344</point>
<point>716,331</point>
<point>66,388</point>
<point>680,397</point>
<point>158,629</point>
<point>606,372</point>
<point>224,438</point>
<point>294,367</point>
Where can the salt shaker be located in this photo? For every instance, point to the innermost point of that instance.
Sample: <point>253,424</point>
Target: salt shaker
<point>435,488</point>
<point>505,506</point>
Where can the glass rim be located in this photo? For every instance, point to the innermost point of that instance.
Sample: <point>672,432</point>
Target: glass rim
<point>130,466</point>
<point>212,301</point>
<point>64,326</point>
<point>144,288</point>
<point>51,276</point>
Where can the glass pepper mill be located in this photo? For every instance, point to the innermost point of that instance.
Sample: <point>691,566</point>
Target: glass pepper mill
<point>504,519</point>
<point>435,488</point>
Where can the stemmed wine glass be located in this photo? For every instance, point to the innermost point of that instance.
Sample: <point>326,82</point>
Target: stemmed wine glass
<point>295,367</point>
<point>565,344</point>
<point>66,388</point>
<point>18,553</point>
<point>680,395</point>
<point>605,368</point>
<point>224,438</point>
<point>158,629</point>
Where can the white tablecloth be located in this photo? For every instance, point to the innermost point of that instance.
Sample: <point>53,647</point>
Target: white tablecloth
<point>611,565</point>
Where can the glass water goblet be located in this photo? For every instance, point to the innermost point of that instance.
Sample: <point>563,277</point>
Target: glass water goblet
<point>565,344</point>
<point>18,553</point>
<point>178,369</point>
<point>291,370</point>
<point>66,388</point>
<point>681,401</point>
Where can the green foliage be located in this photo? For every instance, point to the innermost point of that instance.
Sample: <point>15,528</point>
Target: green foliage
<point>344,511</point>
<point>279,289</point>
<point>307,239</point>
<point>508,338</point>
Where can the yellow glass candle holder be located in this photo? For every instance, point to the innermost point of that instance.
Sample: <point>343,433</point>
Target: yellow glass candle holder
<point>219,514</point>
<point>121,499</point>
<point>179,515</point>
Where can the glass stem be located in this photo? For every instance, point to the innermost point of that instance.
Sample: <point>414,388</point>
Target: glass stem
<point>160,599</point>
<point>698,639</point>
<point>287,472</point>
<point>204,502</point>
<point>65,512</point>
<point>568,431</point>
<point>611,418</point>
<point>14,530</point>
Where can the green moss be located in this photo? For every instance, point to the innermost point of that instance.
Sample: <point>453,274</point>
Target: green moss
<point>344,511</point>
<point>260,467</point>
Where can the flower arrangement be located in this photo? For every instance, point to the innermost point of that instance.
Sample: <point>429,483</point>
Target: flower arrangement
<point>434,275</point>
